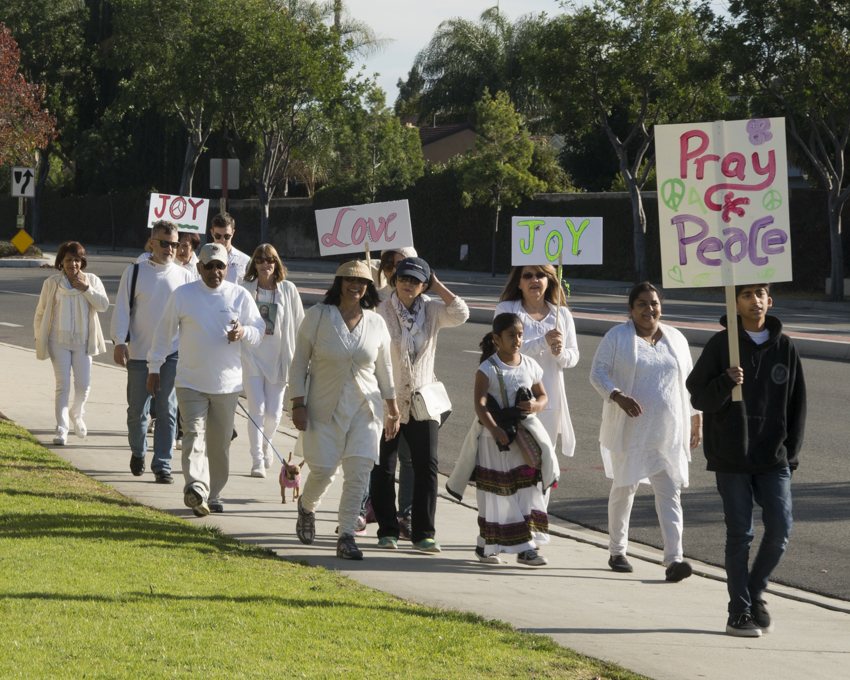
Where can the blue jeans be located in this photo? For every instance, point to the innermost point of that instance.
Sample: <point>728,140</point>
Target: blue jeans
<point>772,491</point>
<point>138,405</point>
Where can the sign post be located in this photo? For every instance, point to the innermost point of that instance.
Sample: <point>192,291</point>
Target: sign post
<point>224,175</point>
<point>724,215</point>
<point>23,186</point>
<point>353,228</point>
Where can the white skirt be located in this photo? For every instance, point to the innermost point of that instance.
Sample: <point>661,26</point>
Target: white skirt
<point>512,515</point>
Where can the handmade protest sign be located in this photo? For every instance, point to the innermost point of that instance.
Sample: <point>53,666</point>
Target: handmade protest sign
<point>542,240</point>
<point>189,213</point>
<point>723,208</point>
<point>359,228</point>
<point>723,203</point>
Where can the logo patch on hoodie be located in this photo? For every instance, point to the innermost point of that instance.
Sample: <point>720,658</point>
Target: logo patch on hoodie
<point>780,374</point>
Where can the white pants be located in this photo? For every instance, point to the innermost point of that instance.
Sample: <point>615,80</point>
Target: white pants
<point>207,421</point>
<point>355,474</point>
<point>64,358</point>
<point>668,506</point>
<point>265,406</point>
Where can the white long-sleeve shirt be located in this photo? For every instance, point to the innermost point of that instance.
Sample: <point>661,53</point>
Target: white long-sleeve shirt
<point>201,316</point>
<point>154,285</point>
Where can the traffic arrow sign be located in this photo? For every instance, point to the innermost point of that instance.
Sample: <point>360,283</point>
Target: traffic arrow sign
<point>23,182</point>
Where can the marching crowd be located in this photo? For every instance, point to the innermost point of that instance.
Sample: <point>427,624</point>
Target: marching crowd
<point>195,326</point>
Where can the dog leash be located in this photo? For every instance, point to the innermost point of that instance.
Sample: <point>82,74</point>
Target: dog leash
<point>282,461</point>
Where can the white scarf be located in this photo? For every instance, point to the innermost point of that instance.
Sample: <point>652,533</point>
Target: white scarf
<point>70,322</point>
<point>412,322</point>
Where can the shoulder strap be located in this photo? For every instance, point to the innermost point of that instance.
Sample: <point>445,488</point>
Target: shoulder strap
<point>505,403</point>
<point>133,285</point>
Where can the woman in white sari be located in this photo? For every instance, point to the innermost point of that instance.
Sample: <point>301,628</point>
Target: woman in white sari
<point>345,348</point>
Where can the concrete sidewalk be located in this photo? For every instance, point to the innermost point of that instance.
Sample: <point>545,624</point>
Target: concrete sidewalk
<point>658,629</point>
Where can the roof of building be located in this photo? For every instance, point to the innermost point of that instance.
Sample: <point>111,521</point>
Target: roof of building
<point>429,135</point>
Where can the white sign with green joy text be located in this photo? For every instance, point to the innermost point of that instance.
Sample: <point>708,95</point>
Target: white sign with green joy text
<point>541,240</point>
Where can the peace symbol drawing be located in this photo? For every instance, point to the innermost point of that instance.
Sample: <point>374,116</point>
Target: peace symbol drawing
<point>772,200</point>
<point>673,193</point>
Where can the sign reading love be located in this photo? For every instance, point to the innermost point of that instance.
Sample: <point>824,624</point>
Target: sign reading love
<point>350,229</point>
<point>723,203</point>
<point>190,214</point>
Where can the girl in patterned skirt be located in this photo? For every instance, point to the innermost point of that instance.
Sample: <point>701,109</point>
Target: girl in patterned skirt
<point>512,513</point>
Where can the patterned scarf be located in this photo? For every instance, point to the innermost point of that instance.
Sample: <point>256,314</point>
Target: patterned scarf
<point>412,323</point>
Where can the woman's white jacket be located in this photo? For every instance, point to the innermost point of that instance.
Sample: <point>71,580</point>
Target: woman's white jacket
<point>320,353</point>
<point>615,364</point>
<point>290,314</point>
<point>98,302</point>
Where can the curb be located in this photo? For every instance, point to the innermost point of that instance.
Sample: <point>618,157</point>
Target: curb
<point>28,262</point>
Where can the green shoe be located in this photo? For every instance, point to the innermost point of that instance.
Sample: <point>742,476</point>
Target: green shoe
<point>388,542</point>
<point>428,545</point>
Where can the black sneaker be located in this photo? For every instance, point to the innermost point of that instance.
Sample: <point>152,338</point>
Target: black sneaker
<point>760,615</point>
<point>193,499</point>
<point>742,625</point>
<point>305,525</point>
<point>404,528</point>
<point>137,465</point>
<point>347,549</point>
<point>163,477</point>
<point>678,571</point>
<point>215,505</point>
<point>620,563</point>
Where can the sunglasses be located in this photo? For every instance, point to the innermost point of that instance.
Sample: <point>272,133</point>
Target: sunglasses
<point>168,244</point>
<point>226,237</point>
<point>408,279</point>
<point>264,260</point>
<point>216,264</point>
<point>533,275</point>
<point>355,279</point>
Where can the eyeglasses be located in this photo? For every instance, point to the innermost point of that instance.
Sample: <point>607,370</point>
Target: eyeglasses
<point>215,263</point>
<point>264,260</point>
<point>218,236</point>
<point>168,244</point>
<point>533,275</point>
<point>408,279</point>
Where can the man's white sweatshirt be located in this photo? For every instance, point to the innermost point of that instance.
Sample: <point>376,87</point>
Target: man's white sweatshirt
<point>201,316</point>
<point>154,285</point>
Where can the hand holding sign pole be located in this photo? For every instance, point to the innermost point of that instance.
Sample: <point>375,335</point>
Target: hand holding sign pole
<point>724,215</point>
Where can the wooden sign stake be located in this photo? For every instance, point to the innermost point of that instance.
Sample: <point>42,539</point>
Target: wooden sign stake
<point>369,260</point>
<point>732,328</point>
<point>560,289</point>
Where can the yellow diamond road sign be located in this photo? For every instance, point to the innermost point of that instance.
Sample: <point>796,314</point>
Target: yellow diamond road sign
<point>22,241</point>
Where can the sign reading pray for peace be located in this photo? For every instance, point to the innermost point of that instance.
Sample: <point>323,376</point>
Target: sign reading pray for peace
<point>542,240</point>
<point>190,214</point>
<point>723,203</point>
<point>350,229</point>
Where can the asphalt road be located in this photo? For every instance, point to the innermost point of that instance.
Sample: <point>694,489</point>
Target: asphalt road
<point>820,541</point>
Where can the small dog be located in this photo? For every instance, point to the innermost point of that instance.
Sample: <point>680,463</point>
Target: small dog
<point>290,478</point>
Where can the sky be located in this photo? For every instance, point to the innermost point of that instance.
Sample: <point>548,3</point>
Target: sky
<point>411,24</point>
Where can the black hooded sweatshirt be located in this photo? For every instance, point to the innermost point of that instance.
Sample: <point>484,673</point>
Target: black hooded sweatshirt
<point>764,431</point>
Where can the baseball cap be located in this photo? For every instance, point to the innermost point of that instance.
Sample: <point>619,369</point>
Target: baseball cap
<point>212,252</point>
<point>414,266</point>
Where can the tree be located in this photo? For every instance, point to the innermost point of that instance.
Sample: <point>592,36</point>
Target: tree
<point>792,57</point>
<point>464,58</point>
<point>25,128</point>
<point>646,57</point>
<point>293,79</point>
<point>497,175</point>
<point>378,149</point>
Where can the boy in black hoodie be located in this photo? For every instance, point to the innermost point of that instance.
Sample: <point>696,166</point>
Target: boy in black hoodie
<point>752,446</point>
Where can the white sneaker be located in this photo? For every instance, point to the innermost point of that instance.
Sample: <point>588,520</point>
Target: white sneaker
<point>531,558</point>
<point>486,559</point>
<point>267,458</point>
<point>60,439</point>
<point>257,469</point>
<point>178,444</point>
<point>80,428</point>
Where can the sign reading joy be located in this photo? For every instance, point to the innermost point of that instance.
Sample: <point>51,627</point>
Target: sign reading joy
<point>350,229</point>
<point>723,203</point>
<point>542,240</point>
<point>189,213</point>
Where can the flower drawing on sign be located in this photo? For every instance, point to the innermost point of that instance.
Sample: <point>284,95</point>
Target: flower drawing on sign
<point>759,131</point>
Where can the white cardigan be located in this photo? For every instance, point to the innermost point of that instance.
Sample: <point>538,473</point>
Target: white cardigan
<point>437,315</point>
<point>98,302</point>
<point>540,352</point>
<point>290,314</point>
<point>319,350</point>
<point>614,368</point>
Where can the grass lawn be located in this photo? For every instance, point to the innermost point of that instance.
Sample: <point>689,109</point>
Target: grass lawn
<point>93,585</point>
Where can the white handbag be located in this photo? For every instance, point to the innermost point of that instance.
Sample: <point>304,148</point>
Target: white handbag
<point>430,401</point>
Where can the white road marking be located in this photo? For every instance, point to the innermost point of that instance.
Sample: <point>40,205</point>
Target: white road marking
<point>471,351</point>
<point>10,325</point>
<point>14,292</point>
